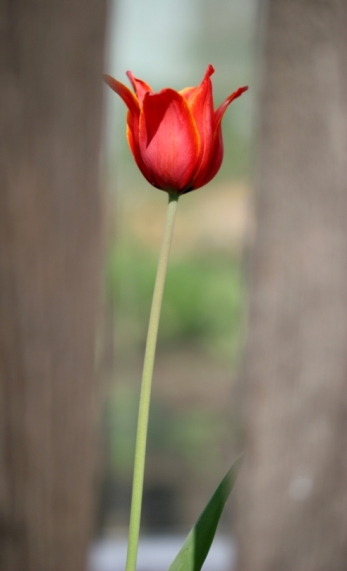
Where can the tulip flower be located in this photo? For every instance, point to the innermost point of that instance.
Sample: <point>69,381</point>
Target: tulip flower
<point>174,136</point>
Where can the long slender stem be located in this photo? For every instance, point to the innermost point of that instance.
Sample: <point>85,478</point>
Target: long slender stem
<point>142,423</point>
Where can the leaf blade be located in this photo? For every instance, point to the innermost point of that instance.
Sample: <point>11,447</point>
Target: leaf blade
<point>195,549</point>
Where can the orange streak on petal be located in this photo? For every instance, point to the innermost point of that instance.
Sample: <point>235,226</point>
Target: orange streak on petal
<point>132,133</point>
<point>218,148</point>
<point>216,158</point>
<point>215,163</point>
<point>136,154</point>
<point>201,106</point>
<point>187,92</point>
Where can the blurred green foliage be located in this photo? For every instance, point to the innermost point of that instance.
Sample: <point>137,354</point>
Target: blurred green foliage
<point>204,304</point>
<point>186,433</point>
<point>204,299</point>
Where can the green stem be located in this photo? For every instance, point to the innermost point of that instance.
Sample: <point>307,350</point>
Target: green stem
<point>142,423</point>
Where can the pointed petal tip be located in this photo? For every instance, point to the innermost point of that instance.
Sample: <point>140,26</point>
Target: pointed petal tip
<point>132,79</point>
<point>139,86</point>
<point>130,75</point>
<point>124,92</point>
<point>235,95</point>
<point>222,108</point>
<point>210,70</point>
<point>107,79</point>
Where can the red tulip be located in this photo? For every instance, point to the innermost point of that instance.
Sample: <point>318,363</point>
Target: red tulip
<point>175,136</point>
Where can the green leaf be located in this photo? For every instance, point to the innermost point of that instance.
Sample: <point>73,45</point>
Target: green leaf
<point>194,551</point>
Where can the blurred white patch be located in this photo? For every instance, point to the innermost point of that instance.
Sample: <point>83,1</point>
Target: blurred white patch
<point>300,488</point>
<point>156,553</point>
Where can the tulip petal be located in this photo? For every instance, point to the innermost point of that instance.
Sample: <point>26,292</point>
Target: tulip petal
<point>168,139</point>
<point>133,114</point>
<point>124,92</point>
<point>203,177</point>
<point>187,92</point>
<point>218,116</point>
<point>214,164</point>
<point>140,87</point>
<point>133,142</point>
<point>200,103</point>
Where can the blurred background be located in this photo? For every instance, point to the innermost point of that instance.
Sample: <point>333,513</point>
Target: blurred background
<point>252,342</point>
<point>192,436</point>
